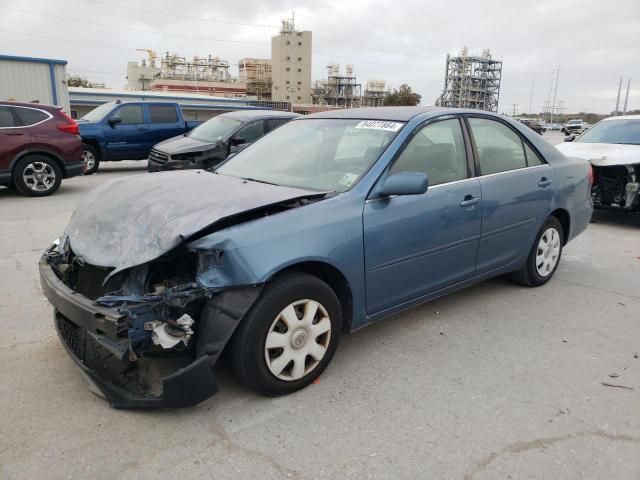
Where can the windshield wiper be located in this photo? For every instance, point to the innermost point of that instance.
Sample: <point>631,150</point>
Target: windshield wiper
<point>259,181</point>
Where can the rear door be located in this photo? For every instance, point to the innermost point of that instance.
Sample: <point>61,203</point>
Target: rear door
<point>127,139</point>
<point>164,122</point>
<point>516,192</point>
<point>13,138</point>
<point>418,244</point>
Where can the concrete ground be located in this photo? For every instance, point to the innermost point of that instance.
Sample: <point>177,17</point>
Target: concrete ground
<point>496,381</point>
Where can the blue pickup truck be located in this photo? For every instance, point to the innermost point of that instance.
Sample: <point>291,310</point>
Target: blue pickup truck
<point>128,130</point>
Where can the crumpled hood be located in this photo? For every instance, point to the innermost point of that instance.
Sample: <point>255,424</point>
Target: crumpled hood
<point>602,154</point>
<point>182,144</point>
<point>132,220</point>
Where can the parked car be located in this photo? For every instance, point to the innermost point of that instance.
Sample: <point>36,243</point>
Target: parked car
<point>329,223</point>
<point>612,146</point>
<point>574,126</point>
<point>39,146</point>
<point>127,130</point>
<point>534,125</point>
<point>212,142</point>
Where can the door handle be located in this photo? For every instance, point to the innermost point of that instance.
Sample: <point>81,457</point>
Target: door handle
<point>13,133</point>
<point>469,201</point>
<point>544,182</point>
<point>142,129</point>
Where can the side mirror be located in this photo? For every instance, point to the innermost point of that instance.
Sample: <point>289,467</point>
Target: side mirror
<point>569,138</point>
<point>235,141</point>
<point>404,183</point>
<point>114,120</point>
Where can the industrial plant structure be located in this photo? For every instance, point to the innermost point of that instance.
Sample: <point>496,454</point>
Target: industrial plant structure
<point>472,82</point>
<point>344,91</point>
<point>255,73</point>
<point>202,75</point>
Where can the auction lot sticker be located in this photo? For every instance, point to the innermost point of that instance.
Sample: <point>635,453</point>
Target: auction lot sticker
<point>380,125</point>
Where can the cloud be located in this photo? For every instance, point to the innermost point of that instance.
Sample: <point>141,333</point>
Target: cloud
<point>593,42</point>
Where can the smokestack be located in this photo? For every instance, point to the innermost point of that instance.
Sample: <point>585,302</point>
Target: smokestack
<point>618,99</point>
<point>626,97</point>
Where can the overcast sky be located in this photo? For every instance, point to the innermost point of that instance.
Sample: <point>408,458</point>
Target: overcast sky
<point>594,42</point>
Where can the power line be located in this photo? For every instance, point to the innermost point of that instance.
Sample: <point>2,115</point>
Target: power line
<point>186,17</point>
<point>139,30</point>
<point>230,22</point>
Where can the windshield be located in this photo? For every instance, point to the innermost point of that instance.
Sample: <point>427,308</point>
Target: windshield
<point>98,113</point>
<point>215,129</point>
<point>613,131</point>
<point>328,155</point>
<point>572,122</point>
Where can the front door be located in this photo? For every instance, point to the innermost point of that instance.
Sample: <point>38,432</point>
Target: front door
<point>418,244</point>
<point>126,140</point>
<point>516,193</point>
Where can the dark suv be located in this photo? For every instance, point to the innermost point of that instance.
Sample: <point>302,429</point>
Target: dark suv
<point>39,146</point>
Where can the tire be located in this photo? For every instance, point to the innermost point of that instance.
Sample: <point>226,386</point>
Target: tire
<point>90,155</point>
<point>254,364</point>
<point>37,176</point>
<point>533,273</point>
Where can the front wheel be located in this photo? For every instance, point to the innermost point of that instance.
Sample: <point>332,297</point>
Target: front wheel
<point>90,156</point>
<point>289,336</point>
<point>544,256</point>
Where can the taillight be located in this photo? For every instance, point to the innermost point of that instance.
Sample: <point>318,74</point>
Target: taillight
<point>590,175</point>
<point>70,127</point>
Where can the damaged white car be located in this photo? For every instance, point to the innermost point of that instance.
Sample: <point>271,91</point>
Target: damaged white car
<point>612,146</point>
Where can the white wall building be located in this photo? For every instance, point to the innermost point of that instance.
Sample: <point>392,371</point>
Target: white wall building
<point>30,79</point>
<point>291,65</point>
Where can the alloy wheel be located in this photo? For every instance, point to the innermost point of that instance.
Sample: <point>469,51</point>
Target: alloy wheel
<point>89,158</point>
<point>39,176</point>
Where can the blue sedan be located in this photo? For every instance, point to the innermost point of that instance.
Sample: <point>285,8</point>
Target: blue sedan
<point>331,222</point>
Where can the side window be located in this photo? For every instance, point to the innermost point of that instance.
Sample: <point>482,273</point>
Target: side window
<point>533,158</point>
<point>251,132</point>
<point>499,147</point>
<point>162,114</point>
<point>130,114</point>
<point>6,119</point>
<point>274,123</point>
<point>29,116</point>
<point>437,150</point>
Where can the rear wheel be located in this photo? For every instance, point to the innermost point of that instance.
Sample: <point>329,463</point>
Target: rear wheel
<point>90,156</point>
<point>544,256</point>
<point>37,176</point>
<point>289,336</point>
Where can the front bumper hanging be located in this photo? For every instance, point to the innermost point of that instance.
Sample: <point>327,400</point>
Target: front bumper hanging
<point>85,328</point>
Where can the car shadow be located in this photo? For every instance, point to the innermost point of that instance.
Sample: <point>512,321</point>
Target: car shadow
<point>616,219</point>
<point>115,167</point>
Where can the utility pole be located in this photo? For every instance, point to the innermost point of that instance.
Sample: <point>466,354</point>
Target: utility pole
<point>555,92</point>
<point>618,99</point>
<point>533,82</point>
<point>514,109</point>
<point>626,96</point>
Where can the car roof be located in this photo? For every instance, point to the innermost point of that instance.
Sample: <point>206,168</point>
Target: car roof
<point>30,105</point>
<point>399,114</point>
<point>244,115</point>
<point>622,117</point>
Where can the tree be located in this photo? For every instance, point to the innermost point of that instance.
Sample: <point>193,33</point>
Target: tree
<point>78,81</point>
<point>402,96</point>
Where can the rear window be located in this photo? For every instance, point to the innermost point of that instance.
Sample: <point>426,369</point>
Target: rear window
<point>163,114</point>
<point>6,119</point>
<point>29,116</point>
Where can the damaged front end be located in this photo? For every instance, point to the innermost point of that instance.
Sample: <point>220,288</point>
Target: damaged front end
<point>147,336</point>
<point>616,187</point>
